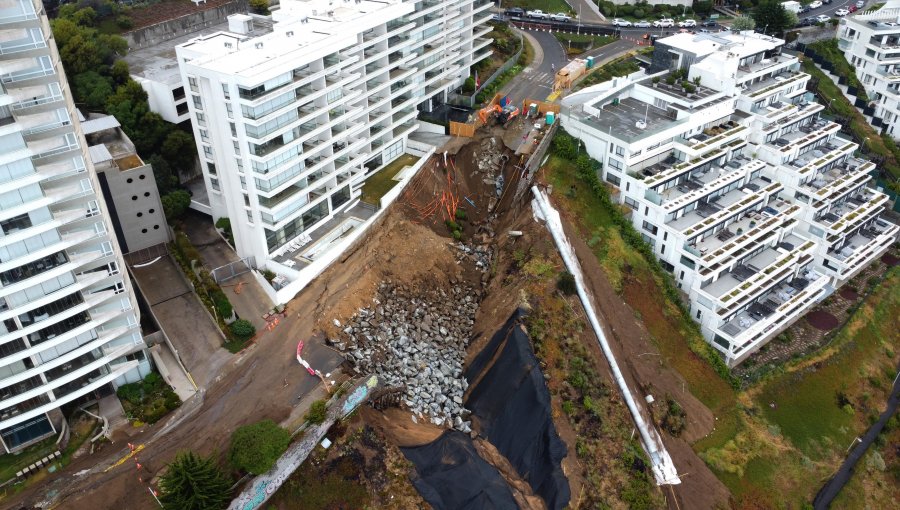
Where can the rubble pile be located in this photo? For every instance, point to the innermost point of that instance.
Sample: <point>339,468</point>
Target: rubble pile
<point>489,160</point>
<point>417,339</point>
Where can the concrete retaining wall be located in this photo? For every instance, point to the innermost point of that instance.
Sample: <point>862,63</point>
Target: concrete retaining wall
<point>155,34</point>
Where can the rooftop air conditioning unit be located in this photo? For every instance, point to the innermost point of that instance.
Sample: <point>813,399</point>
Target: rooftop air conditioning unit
<point>640,124</point>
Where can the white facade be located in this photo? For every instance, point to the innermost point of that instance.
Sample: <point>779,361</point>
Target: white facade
<point>69,319</point>
<point>290,123</point>
<point>754,203</point>
<point>871,42</point>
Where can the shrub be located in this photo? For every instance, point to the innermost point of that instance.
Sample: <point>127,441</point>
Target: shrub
<point>260,6</point>
<point>469,85</point>
<point>124,22</point>
<point>243,329</point>
<point>268,274</point>
<point>194,483</point>
<point>460,214</point>
<point>566,283</point>
<point>223,223</point>
<point>317,412</point>
<point>256,447</point>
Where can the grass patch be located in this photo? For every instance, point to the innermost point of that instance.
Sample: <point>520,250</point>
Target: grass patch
<point>622,66</point>
<point>382,181</point>
<point>149,400</point>
<point>548,6</point>
<point>579,43</point>
<point>10,464</point>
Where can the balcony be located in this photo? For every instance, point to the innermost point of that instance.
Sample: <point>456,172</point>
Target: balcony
<point>750,267</point>
<point>818,158</point>
<point>847,215</point>
<point>774,309</point>
<point>806,135</point>
<point>773,83</point>
<point>715,210</point>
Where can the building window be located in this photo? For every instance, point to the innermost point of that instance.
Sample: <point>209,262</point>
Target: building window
<point>215,184</point>
<point>698,314</point>
<point>687,262</point>
<point>193,83</point>
<point>207,150</point>
<point>615,163</point>
<point>198,104</point>
<point>612,179</point>
<point>204,135</point>
<point>620,151</point>
<point>662,250</point>
<point>225,91</point>
<point>201,119</point>
<point>649,227</point>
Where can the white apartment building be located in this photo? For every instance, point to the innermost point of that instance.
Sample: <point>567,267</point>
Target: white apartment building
<point>69,329</point>
<point>871,42</point>
<point>290,119</point>
<point>752,200</point>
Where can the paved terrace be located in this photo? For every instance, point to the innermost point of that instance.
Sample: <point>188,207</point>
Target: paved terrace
<point>622,118</point>
<point>748,268</point>
<point>713,242</point>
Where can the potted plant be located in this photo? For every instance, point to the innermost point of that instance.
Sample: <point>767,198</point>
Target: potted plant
<point>655,81</point>
<point>670,79</point>
<point>697,81</point>
<point>740,231</point>
<point>752,223</point>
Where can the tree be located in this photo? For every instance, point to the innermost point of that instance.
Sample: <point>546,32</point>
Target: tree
<point>243,329</point>
<point>469,85</point>
<point>179,150</point>
<point>175,204</point>
<point>194,483</point>
<point>701,7</point>
<point>742,23</point>
<point>166,180</point>
<point>91,89</point>
<point>260,6</point>
<point>119,72</point>
<point>256,447</point>
<point>773,17</point>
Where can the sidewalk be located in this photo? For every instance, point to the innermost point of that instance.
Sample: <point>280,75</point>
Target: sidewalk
<point>171,372</point>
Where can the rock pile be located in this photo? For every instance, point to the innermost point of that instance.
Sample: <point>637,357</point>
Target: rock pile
<point>417,339</point>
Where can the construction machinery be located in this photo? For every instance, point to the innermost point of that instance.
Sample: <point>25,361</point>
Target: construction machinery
<point>507,114</point>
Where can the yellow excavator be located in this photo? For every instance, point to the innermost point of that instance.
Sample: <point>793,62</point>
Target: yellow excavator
<point>504,115</point>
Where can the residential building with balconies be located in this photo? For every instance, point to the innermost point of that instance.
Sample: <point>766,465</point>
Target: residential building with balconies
<point>748,196</point>
<point>69,327</point>
<point>870,41</point>
<point>290,121</point>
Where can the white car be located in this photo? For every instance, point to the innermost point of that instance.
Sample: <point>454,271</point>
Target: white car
<point>821,18</point>
<point>815,5</point>
<point>688,23</point>
<point>619,22</point>
<point>642,24</point>
<point>841,12</point>
<point>537,14</point>
<point>559,16</point>
<point>664,23</point>
<point>860,4</point>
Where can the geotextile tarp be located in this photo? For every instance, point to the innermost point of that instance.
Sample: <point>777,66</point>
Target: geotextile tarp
<point>450,475</point>
<point>512,404</point>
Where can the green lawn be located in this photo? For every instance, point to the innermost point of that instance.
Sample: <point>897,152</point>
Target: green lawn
<point>10,464</point>
<point>548,6</point>
<point>383,181</point>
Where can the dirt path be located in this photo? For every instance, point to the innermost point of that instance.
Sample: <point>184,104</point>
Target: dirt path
<point>647,373</point>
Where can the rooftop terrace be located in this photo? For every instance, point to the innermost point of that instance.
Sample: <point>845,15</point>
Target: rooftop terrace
<point>630,119</point>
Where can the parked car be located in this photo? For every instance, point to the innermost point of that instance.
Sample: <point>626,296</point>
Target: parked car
<point>860,4</point>
<point>807,22</point>
<point>664,23</point>
<point>711,23</point>
<point>841,12</point>
<point>516,12</point>
<point>537,14</point>
<point>827,2</point>
<point>561,17</point>
<point>619,22</point>
<point>642,24</point>
<point>815,5</point>
<point>853,8</point>
<point>688,23</point>
<point>821,18</point>
<point>804,9</point>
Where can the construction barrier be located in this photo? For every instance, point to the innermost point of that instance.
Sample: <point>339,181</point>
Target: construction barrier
<point>462,129</point>
<point>542,106</point>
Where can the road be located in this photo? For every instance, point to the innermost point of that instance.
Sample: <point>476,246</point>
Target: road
<point>831,489</point>
<point>536,80</point>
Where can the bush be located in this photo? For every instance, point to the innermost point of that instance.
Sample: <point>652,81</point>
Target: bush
<point>268,274</point>
<point>469,85</point>
<point>566,283</point>
<point>243,329</point>
<point>224,224</point>
<point>255,448</point>
<point>260,6</point>
<point>194,483</point>
<point>317,412</point>
<point>124,22</point>
<point>460,214</point>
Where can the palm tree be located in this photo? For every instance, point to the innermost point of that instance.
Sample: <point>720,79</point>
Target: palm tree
<point>192,482</point>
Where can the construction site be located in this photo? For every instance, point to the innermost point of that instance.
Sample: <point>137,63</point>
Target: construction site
<point>494,390</point>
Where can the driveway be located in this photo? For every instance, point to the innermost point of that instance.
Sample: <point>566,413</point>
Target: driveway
<point>249,300</point>
<point>183,318</point>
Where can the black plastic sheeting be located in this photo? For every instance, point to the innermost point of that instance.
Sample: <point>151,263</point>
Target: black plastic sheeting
<point>512,405</point>
<point>452,476</point>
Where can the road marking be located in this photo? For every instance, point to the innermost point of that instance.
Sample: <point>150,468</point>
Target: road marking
<point>553,96</point>
<point>125,458</point>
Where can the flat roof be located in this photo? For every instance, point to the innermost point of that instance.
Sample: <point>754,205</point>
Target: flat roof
<point>741,44</point>
<point>99,124</point>
<point>300,27</point>
<point>623,117</point>
<point>160,64</point>
<point>99,153</point>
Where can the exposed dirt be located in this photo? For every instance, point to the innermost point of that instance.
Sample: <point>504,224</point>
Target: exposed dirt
<point>415,248</point>
<point>822,320</point>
